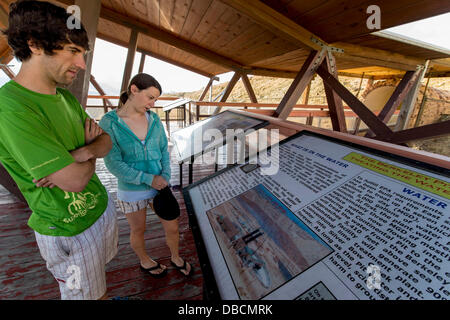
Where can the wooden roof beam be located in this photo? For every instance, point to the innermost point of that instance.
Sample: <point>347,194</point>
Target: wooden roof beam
<point>299,84</point>
<point>397,97</point>
<point>271,19</point>
<point>423,132</point>
<point>154,55</point>
<point>248,87</point>
<point>4,17</point>
<point>169,38</point>
<point>378,127</point>
<point>334,101</point>
<point>377,57</point>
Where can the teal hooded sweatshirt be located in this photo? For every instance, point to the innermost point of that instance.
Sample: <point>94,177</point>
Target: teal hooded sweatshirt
<point>135,163</point>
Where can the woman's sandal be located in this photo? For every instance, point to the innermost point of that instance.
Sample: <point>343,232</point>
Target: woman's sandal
<point>155,275</point>
<point>182,268</point>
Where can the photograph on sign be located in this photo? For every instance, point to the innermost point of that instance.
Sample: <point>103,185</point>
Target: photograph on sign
<point>263,242</point>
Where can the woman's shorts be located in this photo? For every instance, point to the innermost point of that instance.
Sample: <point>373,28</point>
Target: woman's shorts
<point>164,204</point>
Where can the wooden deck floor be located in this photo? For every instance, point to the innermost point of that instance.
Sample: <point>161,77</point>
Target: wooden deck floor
<point>23,274</point>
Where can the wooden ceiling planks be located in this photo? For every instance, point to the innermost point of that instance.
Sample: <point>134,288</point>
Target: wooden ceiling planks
<point>179,15</point>
<point>212,25</point>
<point>204,28</point>
<point>153,11</point>
<point>166,8</point>
<point>194,17</point>
<point>339,20</point>
<point>378,42</point>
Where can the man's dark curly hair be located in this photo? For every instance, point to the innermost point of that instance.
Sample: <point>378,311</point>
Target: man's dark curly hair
<point>43,23</point>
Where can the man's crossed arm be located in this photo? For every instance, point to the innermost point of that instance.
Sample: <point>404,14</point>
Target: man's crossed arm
<point>75,177</point>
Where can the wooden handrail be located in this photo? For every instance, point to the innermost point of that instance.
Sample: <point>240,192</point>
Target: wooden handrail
<point>258,105</point>
<point>117,97</point>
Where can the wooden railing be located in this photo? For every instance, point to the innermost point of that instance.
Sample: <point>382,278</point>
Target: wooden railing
<point>194,109</point>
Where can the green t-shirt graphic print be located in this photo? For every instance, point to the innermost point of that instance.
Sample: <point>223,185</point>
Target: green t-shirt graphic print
<point>37,132</point>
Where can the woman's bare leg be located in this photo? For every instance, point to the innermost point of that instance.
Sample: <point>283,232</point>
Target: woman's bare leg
<point>136,220</point>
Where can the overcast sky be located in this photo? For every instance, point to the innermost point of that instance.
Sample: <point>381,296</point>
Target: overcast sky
<point>109,59</point>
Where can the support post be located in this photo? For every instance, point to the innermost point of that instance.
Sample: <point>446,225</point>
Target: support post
<point>248,87</point>
<point>422,104</point>
<point>397,97</point>
<point>106,102</point>
<point>142,63</point>
<point>90,13</point>
<point>334,101</point>
<point>410,101</point>
<point>227,91</point>
<point>132,46</point>
<point>357,106</point>
<point>211,80</point>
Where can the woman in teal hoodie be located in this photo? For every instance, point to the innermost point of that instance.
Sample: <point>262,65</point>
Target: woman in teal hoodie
<point>140,160</point>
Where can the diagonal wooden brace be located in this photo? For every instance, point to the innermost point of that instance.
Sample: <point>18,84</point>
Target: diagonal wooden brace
<point>366,115</point>
<point>397,97</point>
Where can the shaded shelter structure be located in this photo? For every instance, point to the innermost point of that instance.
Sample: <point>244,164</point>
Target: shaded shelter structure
<point>294,39</point>
<point>276,38</point>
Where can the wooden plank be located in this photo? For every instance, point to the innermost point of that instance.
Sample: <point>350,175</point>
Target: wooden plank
<point>170,39</point>
<point>153,9</point>
<point>165,14</point>
<point>130,60</point>
<point>228,90</point>
<point>154,55</point>
<point>4,17</point>
<point>334,101</point>
<point>377,57</point>
<point>106,102</point>
<point>202,96</point>
<point>80,86</point>
<point>232,27</point>
<point>269,18</point>
<point>135,9</point>
<point>419,155</point>
<point>308,90</point>
<point>194,17</point>
<point>248,88</point>
<point>348,17</point>
<point>397,97</point>
<point>118,6</point>
<point>410,101</point>
<point>424,132</point>
<point>179,14</point>
<point>372,121</point>
<point>208,23</point>
<point>299,84</point>
<point>142,63</point>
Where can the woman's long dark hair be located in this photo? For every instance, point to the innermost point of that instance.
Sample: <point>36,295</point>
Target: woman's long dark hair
<point>142,81</point>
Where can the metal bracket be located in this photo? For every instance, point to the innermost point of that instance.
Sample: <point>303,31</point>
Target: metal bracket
<point>326,46</point>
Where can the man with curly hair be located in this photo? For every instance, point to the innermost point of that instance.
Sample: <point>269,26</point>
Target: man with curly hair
<point>50,145</point>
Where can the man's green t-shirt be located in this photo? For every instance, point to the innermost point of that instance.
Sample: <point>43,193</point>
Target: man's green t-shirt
<point>37,132</point>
